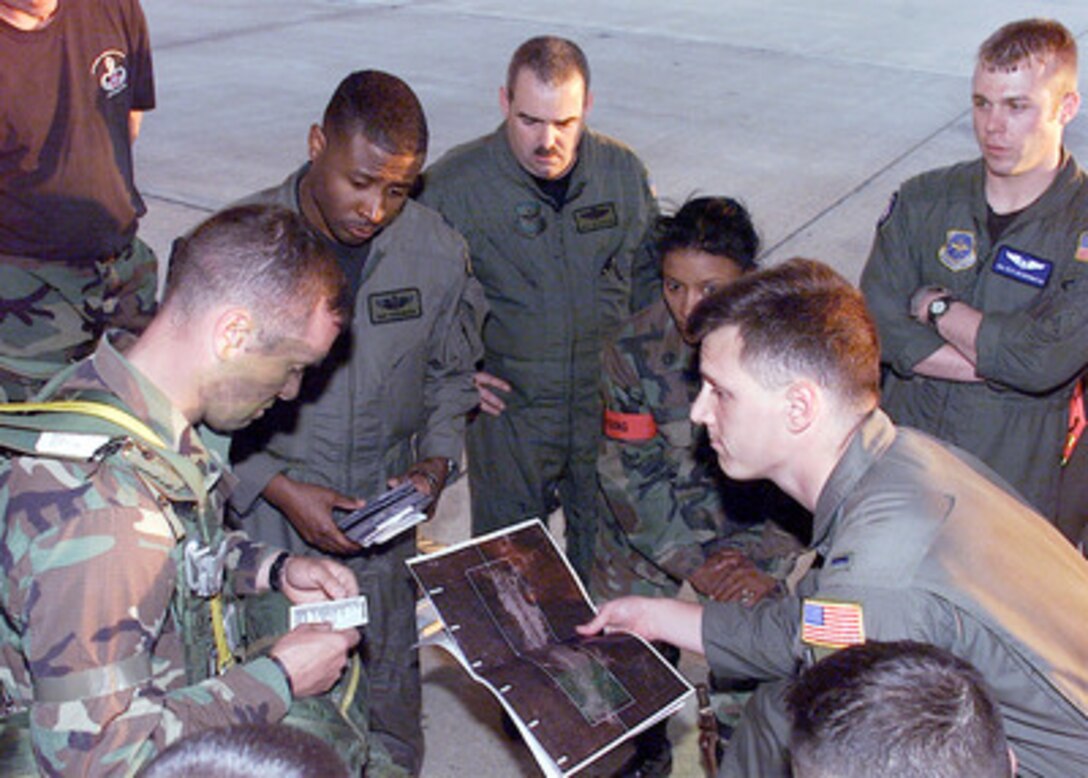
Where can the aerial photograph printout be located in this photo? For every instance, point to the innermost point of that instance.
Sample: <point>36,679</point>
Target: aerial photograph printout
<point>508,604</point>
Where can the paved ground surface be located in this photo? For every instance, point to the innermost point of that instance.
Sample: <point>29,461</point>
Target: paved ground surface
<point>810,112</point>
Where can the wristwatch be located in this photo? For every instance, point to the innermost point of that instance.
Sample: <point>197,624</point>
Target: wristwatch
<point>938,307</point>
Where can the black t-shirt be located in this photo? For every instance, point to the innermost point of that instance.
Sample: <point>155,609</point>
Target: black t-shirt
<point>556,189</point>
<point>66,181</point>
<point>997,223</point>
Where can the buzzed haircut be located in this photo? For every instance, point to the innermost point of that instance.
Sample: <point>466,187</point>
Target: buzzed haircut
<point>551,59</point>
<point>895,710</point>
<point>799,318</point>
<point>715,225</point>
<point>247,750</point>
<point>1041,40</point>
<point>380,107</point>
<point>264,258</point>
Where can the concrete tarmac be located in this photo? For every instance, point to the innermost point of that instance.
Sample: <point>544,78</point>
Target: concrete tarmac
<point>811,113</point>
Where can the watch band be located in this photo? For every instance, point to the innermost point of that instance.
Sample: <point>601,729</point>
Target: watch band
<point>275,572</point>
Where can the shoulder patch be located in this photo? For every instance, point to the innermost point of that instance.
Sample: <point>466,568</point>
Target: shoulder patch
<point>960,250</point>
<point>1023,267</point>
<point>396,305</point>
<point>601,216</point>
<point>529,219</point>
<point>1081,254</point>
<point>830,624</point>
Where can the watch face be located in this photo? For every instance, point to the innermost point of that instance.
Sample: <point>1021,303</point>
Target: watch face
<point>938,308</point>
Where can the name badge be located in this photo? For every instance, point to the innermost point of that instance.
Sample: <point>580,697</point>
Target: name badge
<point>1023,267</point>
<point>601,216</point>
<point>397,305</point>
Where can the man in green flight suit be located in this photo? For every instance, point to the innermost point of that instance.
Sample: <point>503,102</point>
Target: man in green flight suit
<point>390,402</point>
<point>917,540</point>
<point>118,584</point>
<point>556,218</point>
<point>978,278</point>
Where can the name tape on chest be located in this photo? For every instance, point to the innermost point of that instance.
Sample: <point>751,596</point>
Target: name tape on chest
<point>1023,267</point>
<point>395,305</point>
<point>601,216</point>
<point>830,624</point>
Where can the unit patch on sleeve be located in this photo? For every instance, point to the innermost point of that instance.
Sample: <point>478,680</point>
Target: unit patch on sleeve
<point>396,305</point>
<point>959,251</point>
<point>829,624</point>
<point>1023,267</point>
<point>601,216</point>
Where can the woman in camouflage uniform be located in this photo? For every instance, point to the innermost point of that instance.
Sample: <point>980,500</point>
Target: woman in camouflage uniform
<point>668,515</point>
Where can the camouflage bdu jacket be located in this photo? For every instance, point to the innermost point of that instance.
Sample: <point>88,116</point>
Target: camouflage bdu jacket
<point>98,636</point>
<point>665,503</point>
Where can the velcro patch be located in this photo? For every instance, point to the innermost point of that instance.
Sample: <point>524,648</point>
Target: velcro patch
<point>959,251</point>
<point>629,426</point>
<point>601,216</point>
<point>393,306</point>
<point>1023,267</point>
<point>1081,254</point>
<point>830,624</point>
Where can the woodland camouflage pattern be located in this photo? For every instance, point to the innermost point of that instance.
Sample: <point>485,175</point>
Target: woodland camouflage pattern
<point>665,503</point>
<point>89,581</point>
<point>53,312</point>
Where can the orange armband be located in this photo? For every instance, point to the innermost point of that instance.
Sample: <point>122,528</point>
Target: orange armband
<point>629,426</point>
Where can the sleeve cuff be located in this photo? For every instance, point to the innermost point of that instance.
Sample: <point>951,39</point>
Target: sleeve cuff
<point>253,476</point>
<point>272,674</point>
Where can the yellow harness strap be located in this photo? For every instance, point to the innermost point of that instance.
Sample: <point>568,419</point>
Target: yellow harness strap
<point>126,421</point>
<point>90,408</point>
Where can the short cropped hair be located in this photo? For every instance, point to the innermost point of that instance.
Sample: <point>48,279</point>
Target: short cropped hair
<point>1033,40</point>
<point>261,257</point>
<point>895,710</point>
<point>716,225</point>
<point>380,107</point>
<point>799,318</point>
<point>248,750</point>
<point>551,59</point>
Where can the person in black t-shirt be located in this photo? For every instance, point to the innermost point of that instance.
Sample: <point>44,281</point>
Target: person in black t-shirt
<point>75,79</point>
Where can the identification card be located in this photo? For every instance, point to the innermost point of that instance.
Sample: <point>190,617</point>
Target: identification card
<point>340,614</point>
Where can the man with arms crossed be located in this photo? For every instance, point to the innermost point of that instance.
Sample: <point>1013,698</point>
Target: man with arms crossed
<point>978,277</point>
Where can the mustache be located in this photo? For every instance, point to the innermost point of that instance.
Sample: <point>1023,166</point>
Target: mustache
<point>543,151</point>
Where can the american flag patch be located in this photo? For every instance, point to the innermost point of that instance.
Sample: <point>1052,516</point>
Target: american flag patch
<point>1082,248</point>
<point>832,624</point>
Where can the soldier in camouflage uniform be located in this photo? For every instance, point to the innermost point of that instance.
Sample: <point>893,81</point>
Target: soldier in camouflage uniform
<point>668,515</point>
<point>115,569</point>
<point>75,81</point>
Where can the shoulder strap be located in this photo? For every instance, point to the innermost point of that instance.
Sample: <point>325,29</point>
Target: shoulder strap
<point>77,429</point>
<point>114,416</point>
